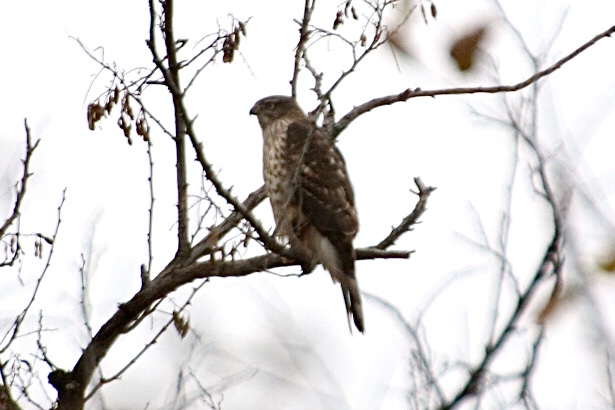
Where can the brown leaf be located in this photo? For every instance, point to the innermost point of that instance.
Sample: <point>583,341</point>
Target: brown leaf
<point>607,264</point>
<point>464,48</point>
<point>400,43</point>
<point>559,300</point>
<point>339,20</point>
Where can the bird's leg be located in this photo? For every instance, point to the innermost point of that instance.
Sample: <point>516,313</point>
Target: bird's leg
<point>307,268</point>
<point>302,255</point>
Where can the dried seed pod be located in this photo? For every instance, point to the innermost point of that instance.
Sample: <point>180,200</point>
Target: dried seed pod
<point>354,13</point>
<point>91,123</point>
<point>181,325</point>
<point>236,39</point>
<point>126,106</point>
<point>363,39</point>
<point>339,20</point>
<point>434,10</point>
<point>38,248</point>
<point>94,113</point>
<point>228,50</point>
<point>242,28</point>
<point>347,7</point>
<point>116,95</point>
<point>143,128</point>
<point>109,105</point>
<point>228,55</point>
<point>126,126</point>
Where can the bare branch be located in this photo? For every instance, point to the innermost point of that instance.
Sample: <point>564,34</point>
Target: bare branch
<point>70,385</point>
<point>21,188</point>
<point>356,112</point>
<point>269,242</point>
<point>13,331</point>
<point>526,394</point>
<point>419,349</point>
<point>208,244</point>
<point>410,220</point>
<point>171,77</point>
<point>145,348</point>
<point>6,400</point>
<point>152,200</point>
<point>550,265</point>
<point>304,36</point>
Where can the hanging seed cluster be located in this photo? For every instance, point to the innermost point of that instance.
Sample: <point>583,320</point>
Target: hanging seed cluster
<point>181,324</point>
<point>348,11</point>
<point>231,42</point>
<point>97,111</point>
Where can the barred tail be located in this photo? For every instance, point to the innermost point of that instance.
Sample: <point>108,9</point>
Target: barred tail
<point>352,300</point>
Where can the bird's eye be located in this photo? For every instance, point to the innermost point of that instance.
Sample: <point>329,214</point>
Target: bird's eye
<point>271,105</point>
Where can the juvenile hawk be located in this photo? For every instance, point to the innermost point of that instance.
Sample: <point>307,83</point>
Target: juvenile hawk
<point>311,195</point>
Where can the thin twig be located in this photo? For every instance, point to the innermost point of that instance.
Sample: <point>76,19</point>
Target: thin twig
<point>15,327</point>
<point>152,200</point>
<point>145,348</point>
<point>411,332</point>
<point>304,36</point>
<point>410,220</point>
<point>21,189</point>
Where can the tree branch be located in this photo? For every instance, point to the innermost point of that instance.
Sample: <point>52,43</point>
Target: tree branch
<point>171,76</point>
<point>209,243</point>
<point>21,189</point>
<point>356,112</point>
<point>412,218</point>
<point>304,36</point>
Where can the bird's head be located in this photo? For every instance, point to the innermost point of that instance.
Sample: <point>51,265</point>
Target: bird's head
<point>275,107</point>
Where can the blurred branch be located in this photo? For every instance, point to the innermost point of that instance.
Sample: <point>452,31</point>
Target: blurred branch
<point>361,109</point>
<point>552,261</point>
<point>550,266</point>
<point>153,341</point>
<point>6,400</point>
<point>525,394</point>
<point>21,191</point>
<point>419,353</point>
<point>608,363</point>
<point>13,331</point>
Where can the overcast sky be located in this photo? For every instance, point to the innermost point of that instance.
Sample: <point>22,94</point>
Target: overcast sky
<point>285,341</point>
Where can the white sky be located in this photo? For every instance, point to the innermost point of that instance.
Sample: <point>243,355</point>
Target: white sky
<point>280,341</point>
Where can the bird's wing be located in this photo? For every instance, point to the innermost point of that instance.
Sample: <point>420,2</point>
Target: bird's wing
<point>323,189</point>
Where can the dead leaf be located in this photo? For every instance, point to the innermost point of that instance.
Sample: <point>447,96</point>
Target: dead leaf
<point>464,48</point>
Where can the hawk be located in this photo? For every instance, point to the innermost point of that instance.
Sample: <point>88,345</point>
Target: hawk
<point>311,195</point>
